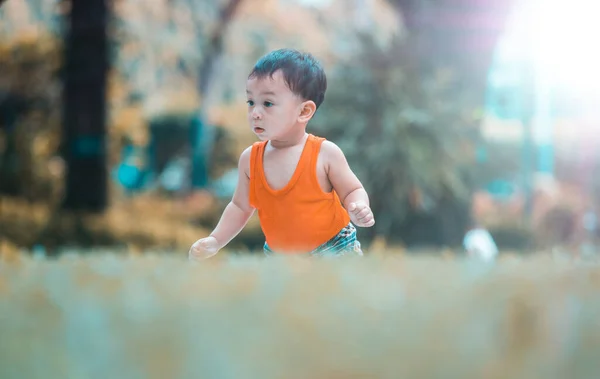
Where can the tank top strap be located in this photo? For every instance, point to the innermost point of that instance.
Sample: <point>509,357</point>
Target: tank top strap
<point>256,155</point>
<point>315,149</point>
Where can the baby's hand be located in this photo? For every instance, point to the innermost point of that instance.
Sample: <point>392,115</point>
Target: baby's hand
<point>203,248</point>
<point>361,214</point>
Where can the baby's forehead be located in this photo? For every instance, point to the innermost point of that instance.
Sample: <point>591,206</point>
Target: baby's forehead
<point>268,83</point>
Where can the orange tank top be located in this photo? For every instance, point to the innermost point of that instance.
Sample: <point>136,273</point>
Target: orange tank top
<point>301,216</point>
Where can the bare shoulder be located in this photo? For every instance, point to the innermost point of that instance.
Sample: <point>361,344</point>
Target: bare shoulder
<point>244,161</point>
<point>331,153</point>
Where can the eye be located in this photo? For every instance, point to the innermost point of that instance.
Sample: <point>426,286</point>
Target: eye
<point>250,103</point>
<point>268,104</point>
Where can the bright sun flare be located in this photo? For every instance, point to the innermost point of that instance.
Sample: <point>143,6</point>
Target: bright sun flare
<point>561,40</point>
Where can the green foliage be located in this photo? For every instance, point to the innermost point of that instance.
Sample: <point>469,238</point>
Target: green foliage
<point>30,110</point>
<point>407,134</point>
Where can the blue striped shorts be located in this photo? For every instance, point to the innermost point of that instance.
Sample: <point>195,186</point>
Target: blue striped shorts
<point>344,243</point>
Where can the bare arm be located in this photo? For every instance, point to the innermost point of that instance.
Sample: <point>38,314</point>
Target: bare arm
<point>238,211</point>
<point>341,176</point>
<point>346,185</point>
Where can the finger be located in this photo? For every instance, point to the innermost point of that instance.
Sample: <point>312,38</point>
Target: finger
<point>363,213</point>
<point>368,218</point>
<point>193,254</point>
<point>370,222</point>
<point>197,247</point>
<point>360,206</point>
<point>364,220</point>
<point>206,244</point>
<point>351,207</point>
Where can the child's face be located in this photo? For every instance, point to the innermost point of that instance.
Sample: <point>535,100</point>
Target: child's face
<point>273,109</point>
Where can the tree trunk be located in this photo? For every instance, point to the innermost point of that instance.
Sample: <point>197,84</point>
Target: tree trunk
<point>460,35</point>
<point>85,70</point>
<point>215,46</point>
<point>204,134</point>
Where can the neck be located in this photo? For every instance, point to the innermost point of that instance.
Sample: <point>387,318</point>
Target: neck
<point>289,141</point>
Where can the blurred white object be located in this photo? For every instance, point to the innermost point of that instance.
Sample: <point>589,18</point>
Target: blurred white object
<point>478,243</point>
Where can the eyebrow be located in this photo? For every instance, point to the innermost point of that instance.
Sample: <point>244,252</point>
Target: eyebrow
<point>262,93</point>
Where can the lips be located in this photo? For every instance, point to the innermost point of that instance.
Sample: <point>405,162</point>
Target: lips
<point>258,129</point>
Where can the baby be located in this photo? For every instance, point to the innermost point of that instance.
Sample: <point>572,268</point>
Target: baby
<point>307,197</point>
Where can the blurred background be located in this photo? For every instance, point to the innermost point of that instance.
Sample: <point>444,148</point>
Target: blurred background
<point>121,121</point>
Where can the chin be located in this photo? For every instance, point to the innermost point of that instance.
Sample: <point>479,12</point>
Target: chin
<point>261,136</point>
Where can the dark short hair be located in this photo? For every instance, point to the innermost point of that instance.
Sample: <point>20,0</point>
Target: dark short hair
<point>302,73</point>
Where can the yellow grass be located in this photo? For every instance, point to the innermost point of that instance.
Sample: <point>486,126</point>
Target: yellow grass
<point>155,316</point>
<point>145,220</point>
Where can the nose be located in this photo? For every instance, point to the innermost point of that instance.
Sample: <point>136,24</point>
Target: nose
<point>256,114</point>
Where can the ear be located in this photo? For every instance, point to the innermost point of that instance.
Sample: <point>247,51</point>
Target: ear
<point>307,110</point>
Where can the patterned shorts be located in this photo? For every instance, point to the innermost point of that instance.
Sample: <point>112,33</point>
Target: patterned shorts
<point>344,243</point>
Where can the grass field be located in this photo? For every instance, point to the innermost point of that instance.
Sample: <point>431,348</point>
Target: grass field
<point>158,316</point>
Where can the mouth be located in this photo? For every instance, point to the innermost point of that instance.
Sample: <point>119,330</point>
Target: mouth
<point>258,129</point>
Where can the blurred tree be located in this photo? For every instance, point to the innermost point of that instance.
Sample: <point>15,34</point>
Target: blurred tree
<point>204,134</point>
<point>29,116</point>
<point>408,117</point>
<point>214,43</point>
<point>406,139</point>
<point>458,36</point>
<point>169,51</point>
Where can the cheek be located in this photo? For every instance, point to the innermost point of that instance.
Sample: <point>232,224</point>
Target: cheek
<point>292,112</point>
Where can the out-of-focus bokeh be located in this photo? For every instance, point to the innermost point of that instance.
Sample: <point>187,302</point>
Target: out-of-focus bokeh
<point>454,114</point>
<point>474,125</point>
<point>154,317</point>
